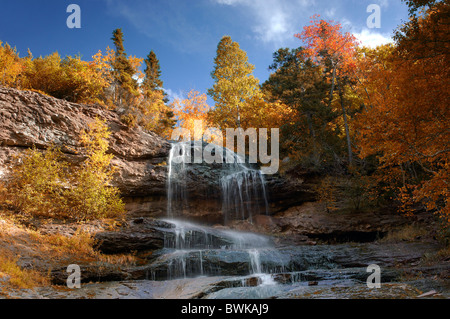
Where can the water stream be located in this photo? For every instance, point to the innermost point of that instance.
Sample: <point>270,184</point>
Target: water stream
<point>193,250</point>
<point>242,187</point>
<point>216,262</point>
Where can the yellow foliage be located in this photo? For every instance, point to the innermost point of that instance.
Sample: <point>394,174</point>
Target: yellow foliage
<point>36,182</point>
<point>18,277</point>
<point>70,78</point>
<point>92,196</point>
<point>188,111</point>
<point>10,65</point>
<point>42,183</point>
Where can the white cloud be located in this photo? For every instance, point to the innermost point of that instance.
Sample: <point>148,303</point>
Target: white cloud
<point>330,13</point>
<point>383,3</point>
<point>174,95</point>
<point>274,21</point>
<point>367,37</point>
<point>276,28</point>
<point>372,39</point>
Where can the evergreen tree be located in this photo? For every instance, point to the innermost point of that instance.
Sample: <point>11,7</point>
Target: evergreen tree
<point>125,87</point>
<point>300,84</point>
<point>153,86</point>
<point>152,72</point>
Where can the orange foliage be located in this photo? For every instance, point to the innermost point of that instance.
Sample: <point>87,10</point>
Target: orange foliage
<point>408,122</point>
<point>194,108</point>
<point>325,40</point>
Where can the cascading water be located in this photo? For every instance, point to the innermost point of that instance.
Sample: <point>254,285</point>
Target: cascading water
<point>179,157</point>
<point>193,250</point>
<point>242,188</point>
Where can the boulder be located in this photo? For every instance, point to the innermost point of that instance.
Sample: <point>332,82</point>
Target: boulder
<point>142,234</point>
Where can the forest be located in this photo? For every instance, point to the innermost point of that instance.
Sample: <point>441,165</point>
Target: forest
<point>373,122</point>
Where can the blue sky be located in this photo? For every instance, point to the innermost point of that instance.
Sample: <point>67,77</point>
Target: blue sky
<point>184,33</point>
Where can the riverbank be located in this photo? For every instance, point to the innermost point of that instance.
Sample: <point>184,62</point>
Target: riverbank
<point>410,267</point>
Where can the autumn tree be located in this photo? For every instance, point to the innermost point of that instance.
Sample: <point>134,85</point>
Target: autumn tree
<point>335,51</point>
<point>407,123</point>
<point>82,80</point>
<point>191,111</point>
<point>91,195</point>
<point>234,84</point>
<point>103,62</point>
<point>70,78</point>
<point>35,183</point>
<point>10,65</point>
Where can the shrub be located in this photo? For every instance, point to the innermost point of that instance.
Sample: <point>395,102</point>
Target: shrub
<point>18,277</point>
<point>92,196</point>
<point>42,183</point>
<point>36,182</point>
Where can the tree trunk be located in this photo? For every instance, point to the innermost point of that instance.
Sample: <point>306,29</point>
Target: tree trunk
<point>347,131</point>
<point>333,81</point>
<point>312,133</point>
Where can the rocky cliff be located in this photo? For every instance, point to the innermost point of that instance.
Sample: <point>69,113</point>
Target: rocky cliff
<point>29,118</point>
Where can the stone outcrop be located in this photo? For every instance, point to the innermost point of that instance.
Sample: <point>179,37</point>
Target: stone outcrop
<point>310,222</point>
<point>137,235</point>
<point>29,118</point>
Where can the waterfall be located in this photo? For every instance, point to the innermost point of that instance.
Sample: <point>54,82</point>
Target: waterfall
<point>243,193</point>
<point>195,250</point>
<point>179,156</point>
<point>241,187</point>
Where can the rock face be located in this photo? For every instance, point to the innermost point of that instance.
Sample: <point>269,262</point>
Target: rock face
<point>29,118</point>
<point>139,235</point>
<point>309,222</point>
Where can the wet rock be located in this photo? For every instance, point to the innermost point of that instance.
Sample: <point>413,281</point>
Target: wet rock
<point>428,294</point>
<point>313,221</point>
<point>142,234</point>
<point>92,272</point>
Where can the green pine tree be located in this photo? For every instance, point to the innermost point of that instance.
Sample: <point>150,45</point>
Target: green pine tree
<point>125,86</point>
<point>152,81</point>
<point>300,84</point>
